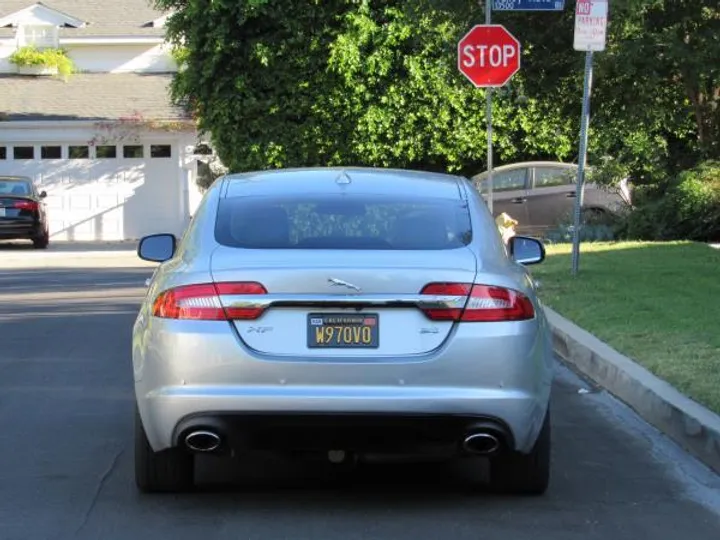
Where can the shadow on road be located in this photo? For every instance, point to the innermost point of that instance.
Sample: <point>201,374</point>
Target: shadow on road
<point>42,281</point>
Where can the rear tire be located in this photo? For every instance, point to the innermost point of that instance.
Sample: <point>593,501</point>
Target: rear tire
<point>167,471</point>
<point>41,242</point>
<point>595,216</point>
<point>524,474</point>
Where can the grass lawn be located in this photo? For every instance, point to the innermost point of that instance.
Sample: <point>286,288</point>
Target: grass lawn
<point>658,303</point>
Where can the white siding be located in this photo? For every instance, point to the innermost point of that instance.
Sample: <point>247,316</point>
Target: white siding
<point>7,47</point>
<point>105,58</point>
<point>121,58</point>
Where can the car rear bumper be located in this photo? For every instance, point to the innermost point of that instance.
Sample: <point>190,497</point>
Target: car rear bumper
<point>359,433</point>
<point>16,229</point>
<point>186,370</point>
<point>166,411</point>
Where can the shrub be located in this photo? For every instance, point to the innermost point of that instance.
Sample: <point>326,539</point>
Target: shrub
<point>588,233</point>
<point>689,210</point>
<point>696,201</point>
<point>53,58</point>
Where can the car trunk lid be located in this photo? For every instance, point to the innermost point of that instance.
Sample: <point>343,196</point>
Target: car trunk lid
<point>17,207</point>
<point>343,303</point>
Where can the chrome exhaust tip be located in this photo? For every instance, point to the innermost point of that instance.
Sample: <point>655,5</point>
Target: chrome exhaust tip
<point>481,443</point>
<point>202,441</point>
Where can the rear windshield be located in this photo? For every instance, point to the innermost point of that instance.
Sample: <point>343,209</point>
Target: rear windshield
<point>343,222</point>
<point>14,187</point>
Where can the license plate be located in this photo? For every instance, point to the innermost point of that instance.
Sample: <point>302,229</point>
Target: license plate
<point>2,212</point>
<point>342,331</point>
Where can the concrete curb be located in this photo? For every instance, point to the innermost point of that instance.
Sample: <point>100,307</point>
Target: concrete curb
<point>689,424</point>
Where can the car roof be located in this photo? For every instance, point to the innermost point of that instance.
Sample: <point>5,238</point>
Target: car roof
<point>367,180</point>
<point>525,164</point>
<point>7,178</point>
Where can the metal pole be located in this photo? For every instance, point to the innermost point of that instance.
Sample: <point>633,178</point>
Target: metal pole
<point>488,116</point>
<point>580,188</point>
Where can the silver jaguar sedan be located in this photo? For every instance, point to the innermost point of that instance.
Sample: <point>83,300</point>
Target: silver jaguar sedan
<point>342,313</point>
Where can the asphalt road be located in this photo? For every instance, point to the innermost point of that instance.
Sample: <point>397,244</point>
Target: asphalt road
<point>66,452</point>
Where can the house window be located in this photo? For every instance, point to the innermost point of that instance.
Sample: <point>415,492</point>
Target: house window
<point>133,151</point>
<point>38,35</point>
<point>160,151</point>
<point>51,152</point>
<point>23,152</point>
<point>106,152</point>
<point>3,152</point>
<point>78,152</point>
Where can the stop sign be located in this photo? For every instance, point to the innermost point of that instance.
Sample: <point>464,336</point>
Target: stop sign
<point>488,55</point>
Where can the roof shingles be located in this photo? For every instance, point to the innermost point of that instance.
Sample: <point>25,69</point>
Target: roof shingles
<point>98,96</point>
<point>102,17</point>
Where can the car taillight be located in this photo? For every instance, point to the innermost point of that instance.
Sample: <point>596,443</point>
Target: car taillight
<point>203,302</point>
<point>460,290</point>
<point>26,205</point>
<point>480,303</point>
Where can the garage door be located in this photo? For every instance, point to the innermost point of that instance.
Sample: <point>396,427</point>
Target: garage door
<point>104,193</point>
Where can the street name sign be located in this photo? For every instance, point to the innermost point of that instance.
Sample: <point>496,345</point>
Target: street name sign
<point>528,5</point>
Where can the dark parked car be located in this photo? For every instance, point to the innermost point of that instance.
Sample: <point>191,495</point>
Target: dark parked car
<point>22,211</point>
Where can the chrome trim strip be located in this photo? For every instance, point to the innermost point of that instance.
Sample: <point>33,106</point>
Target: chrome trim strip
<point>421,301</point>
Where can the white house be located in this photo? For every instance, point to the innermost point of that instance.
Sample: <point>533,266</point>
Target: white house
<point>112,152</point>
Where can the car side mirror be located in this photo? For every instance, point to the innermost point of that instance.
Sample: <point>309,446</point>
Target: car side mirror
<point>43,194</point>
<point>157,247</point>
<point>525,250</point>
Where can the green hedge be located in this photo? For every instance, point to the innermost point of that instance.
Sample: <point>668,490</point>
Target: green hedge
<point>689,210</point>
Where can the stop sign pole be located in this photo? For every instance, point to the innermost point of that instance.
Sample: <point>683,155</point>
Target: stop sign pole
<point>489,55</point>
<point>488,116</point>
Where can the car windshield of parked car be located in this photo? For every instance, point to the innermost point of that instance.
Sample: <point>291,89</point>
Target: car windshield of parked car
<point>14,187</point>
<point>341,221</point>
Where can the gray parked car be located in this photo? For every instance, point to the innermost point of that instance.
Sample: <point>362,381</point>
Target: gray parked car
<point>342,312</point>
<point>541,194</point>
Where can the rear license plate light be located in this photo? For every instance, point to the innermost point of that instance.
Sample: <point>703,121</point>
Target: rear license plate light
<point>343,331</point>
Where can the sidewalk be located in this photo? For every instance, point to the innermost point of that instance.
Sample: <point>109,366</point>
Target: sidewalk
<point>71,254</point>
<point>24,249</point>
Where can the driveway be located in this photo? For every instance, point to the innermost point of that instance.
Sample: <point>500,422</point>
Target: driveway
<point>66,450</point>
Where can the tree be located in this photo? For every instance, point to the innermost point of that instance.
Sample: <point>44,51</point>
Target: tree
<point>374,82</point>
<point>685,36</point>
<point>661,83</point>
<point>283,83</point>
